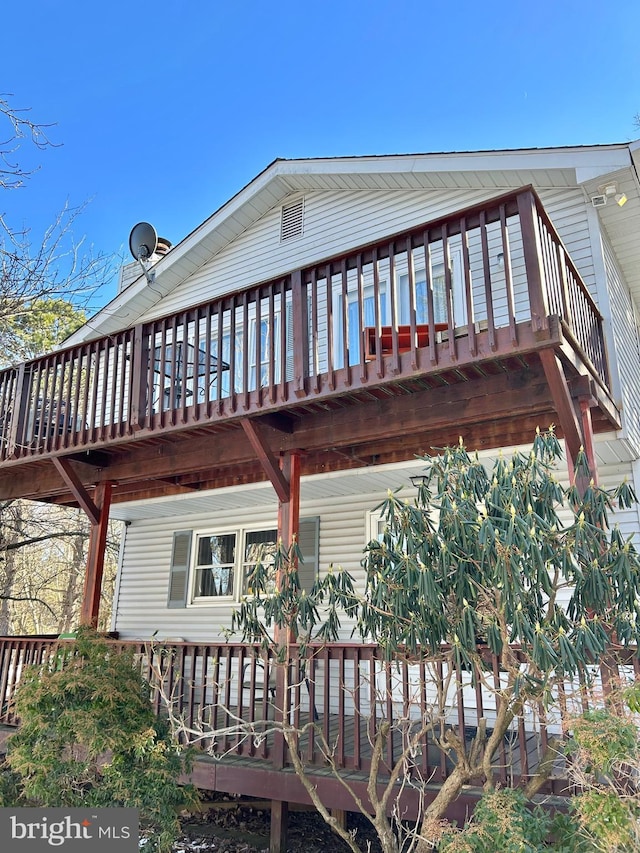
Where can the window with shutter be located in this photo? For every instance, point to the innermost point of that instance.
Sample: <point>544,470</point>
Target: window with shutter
<point>179,571</point>
<point>223,562</point>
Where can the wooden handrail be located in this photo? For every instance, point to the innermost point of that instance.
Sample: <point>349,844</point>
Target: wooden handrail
<point>279,341</point>
<point>344,689</point>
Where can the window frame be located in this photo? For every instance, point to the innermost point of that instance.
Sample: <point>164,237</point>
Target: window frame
<point>374,519</point>
<point>458,307</point>
<point>183,565</point>
<point>238,568</point>
<point>355,336</point>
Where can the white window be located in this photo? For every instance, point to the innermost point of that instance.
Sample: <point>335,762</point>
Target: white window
<point>215,566</point>
<point>375,526</point>
<point>268,365</point>
<point>357,317</point>
<point>438,283</point>
<point>259,546</point>
<point>355,325</point>
<point>224,562</point>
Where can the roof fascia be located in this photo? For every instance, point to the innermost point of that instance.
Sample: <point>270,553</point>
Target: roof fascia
<point>607,157</point>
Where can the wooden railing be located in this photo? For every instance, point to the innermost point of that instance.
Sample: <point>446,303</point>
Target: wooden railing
<point>335,695</point>
<point>483,269</point>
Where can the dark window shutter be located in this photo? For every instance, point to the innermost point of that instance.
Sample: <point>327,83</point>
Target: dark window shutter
<point>309,544</point>
<point>179,574</point>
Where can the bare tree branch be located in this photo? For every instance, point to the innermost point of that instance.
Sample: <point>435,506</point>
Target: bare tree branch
<point>33,540</point>
<point>21,127</point>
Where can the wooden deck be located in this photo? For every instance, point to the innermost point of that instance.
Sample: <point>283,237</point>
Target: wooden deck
<point>513,763</point>
<point>477,325</point>
<point>248,776</point>
<point>337,699</point>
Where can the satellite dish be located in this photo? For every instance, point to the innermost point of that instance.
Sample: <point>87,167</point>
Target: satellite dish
<point>143,241</point>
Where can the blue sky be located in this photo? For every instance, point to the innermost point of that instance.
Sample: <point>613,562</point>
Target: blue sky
<point>164,110</point>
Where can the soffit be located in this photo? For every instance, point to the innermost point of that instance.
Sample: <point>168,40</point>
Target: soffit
<point>318,487</point>
<point>622,224</point>
<point>335,485</point>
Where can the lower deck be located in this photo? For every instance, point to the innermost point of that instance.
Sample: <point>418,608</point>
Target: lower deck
<point>335,704</point>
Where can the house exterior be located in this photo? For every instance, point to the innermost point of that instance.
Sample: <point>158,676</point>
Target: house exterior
<point>279,369</point>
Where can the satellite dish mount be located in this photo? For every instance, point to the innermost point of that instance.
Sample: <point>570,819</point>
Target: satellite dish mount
<point>143,242</point>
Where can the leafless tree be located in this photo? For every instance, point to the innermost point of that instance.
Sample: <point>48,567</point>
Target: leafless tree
<point>55,265</point>
<point>42,564</point>
<point>46,284</point>
<point>218,723</point>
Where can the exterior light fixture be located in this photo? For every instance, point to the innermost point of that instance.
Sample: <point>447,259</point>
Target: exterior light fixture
<point>606,192</point>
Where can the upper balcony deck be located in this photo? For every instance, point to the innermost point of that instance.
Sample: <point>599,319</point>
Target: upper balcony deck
<point>442,331</point>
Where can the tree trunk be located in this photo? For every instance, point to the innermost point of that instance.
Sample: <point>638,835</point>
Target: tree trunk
<point>73,589</point>
<point>8,536</point>
<point>448,793</point>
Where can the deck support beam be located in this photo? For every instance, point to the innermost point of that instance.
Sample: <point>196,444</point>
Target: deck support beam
<point>267,459</point>
<point>76,487</point>
<point>97,509</point>
<point>578,431</point>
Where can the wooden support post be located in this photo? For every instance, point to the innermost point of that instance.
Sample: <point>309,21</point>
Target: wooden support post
<point>341,817</point>
<point>288,525</point>
<point>289,510</point>
<point>95,558</point>
<point>285,480</point>
<point>279,826</point>
<point>289,519</point>
<point>587,433</point>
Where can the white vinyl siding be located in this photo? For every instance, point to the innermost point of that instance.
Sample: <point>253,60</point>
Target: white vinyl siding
<point>569,213</point>
<point>334,222</point>
<point>144,581</point>
<point>624,327</point>
<point>345,529</point>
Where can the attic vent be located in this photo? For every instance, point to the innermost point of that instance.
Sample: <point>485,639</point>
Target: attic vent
<point>292,221</point>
